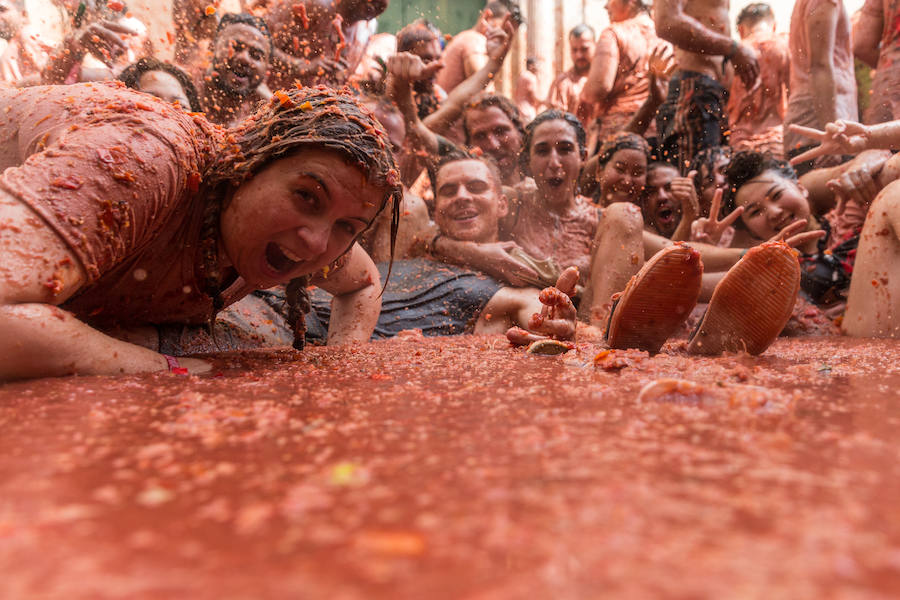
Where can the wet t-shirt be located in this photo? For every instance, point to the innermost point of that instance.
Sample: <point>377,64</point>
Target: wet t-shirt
<point>801,104</point>
<point>115,173</point>
<point>566,239</point>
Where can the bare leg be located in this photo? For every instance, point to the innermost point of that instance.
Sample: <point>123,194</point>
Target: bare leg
<point>873,307</point>
<point>617,254</point>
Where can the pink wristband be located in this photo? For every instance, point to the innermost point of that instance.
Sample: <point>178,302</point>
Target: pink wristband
<point>174,367</point>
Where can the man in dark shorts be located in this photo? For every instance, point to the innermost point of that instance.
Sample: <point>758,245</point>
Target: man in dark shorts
<point>693,116</point>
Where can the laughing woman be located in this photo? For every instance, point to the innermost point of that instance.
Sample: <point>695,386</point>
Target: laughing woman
<point>120,212</point>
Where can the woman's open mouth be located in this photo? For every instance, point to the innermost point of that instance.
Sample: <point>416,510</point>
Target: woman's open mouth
<point>555,182</point>
<point>281,259</point>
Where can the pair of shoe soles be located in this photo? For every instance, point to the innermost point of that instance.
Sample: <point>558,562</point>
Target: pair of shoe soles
<point>749,307</point>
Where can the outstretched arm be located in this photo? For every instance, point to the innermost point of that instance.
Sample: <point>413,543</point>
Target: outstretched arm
<point>37,273</point>
<point>821,23</point>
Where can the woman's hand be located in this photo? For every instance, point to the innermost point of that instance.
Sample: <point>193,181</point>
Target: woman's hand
<point>794,235</point>
<point>840,137</point>
<point>709,230</point>
<point>857,185</point>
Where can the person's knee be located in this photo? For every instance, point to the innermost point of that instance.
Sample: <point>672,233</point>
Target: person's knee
<point>624,217</point>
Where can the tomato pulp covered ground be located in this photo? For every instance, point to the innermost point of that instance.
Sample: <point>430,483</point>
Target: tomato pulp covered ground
<point>460,468</point>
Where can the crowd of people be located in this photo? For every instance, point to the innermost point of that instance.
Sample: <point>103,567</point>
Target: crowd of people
<point>293,176</point>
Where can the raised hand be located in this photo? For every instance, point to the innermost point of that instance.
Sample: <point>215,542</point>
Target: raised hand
<point>840,137</point>
<point>407,67</point>
<point>660,65</point>
<point>709,230</point>
<point>499,39</point>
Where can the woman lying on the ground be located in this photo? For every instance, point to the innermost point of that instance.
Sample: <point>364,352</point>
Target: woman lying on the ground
<point>433,297</point>
<point>121,211</point>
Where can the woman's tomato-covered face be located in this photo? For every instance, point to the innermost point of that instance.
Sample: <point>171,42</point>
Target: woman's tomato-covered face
<point>623,177</point>
<point>555,159</point>
<point>297,216</point>
<point>771,202</point>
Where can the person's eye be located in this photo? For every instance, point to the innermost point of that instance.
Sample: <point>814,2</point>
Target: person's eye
<point>348,227</point>
<point>501,132</point>
<point>306,200</point>
<point>477,187</point>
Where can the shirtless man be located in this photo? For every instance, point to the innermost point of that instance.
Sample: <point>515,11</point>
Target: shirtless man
<point>229,90</point>
<point>693,116</point>
<point>467,52</point>
<point>756,115</point>
<point>566,89</point>
<point>526,95</point>
<point>823,81</point>
<point>316,41</point>
<point>876,42</point>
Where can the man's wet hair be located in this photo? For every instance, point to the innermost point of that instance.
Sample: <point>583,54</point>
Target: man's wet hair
<point>131,77</point>
<point>754,13</point>
<point>486,100</point>
<point>420,30</point>
<point>747,165</point>
<point>581,29</point>
<point>246,19</point>
<point>493,169</point>
<point>546,116</point>
<point>293,120</point>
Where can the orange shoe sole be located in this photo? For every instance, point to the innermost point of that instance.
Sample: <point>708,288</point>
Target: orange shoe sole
<point>752,303</point>
<point>656,300</point>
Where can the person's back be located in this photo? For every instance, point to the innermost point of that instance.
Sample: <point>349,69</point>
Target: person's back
<point>810,104</point>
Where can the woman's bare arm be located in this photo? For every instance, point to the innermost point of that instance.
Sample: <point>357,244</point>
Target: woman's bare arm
<point>356,288</point>
<point>37,273</point>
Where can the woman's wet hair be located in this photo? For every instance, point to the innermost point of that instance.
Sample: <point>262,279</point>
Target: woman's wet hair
<point>294,120</point>
<point>748,165</point>
<point>131,76</point>
<point>484,101</point>
<point>546,116</point>
<point>622,141</point>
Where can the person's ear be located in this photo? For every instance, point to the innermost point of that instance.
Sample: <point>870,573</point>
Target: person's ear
<point>502,206</point>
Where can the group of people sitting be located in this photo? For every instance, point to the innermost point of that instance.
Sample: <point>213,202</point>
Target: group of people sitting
<point>299,180</point>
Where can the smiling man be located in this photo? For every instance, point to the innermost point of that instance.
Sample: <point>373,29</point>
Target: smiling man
<point>230,89</point>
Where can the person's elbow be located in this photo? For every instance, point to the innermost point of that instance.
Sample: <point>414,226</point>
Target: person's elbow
<point>866,51</point>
